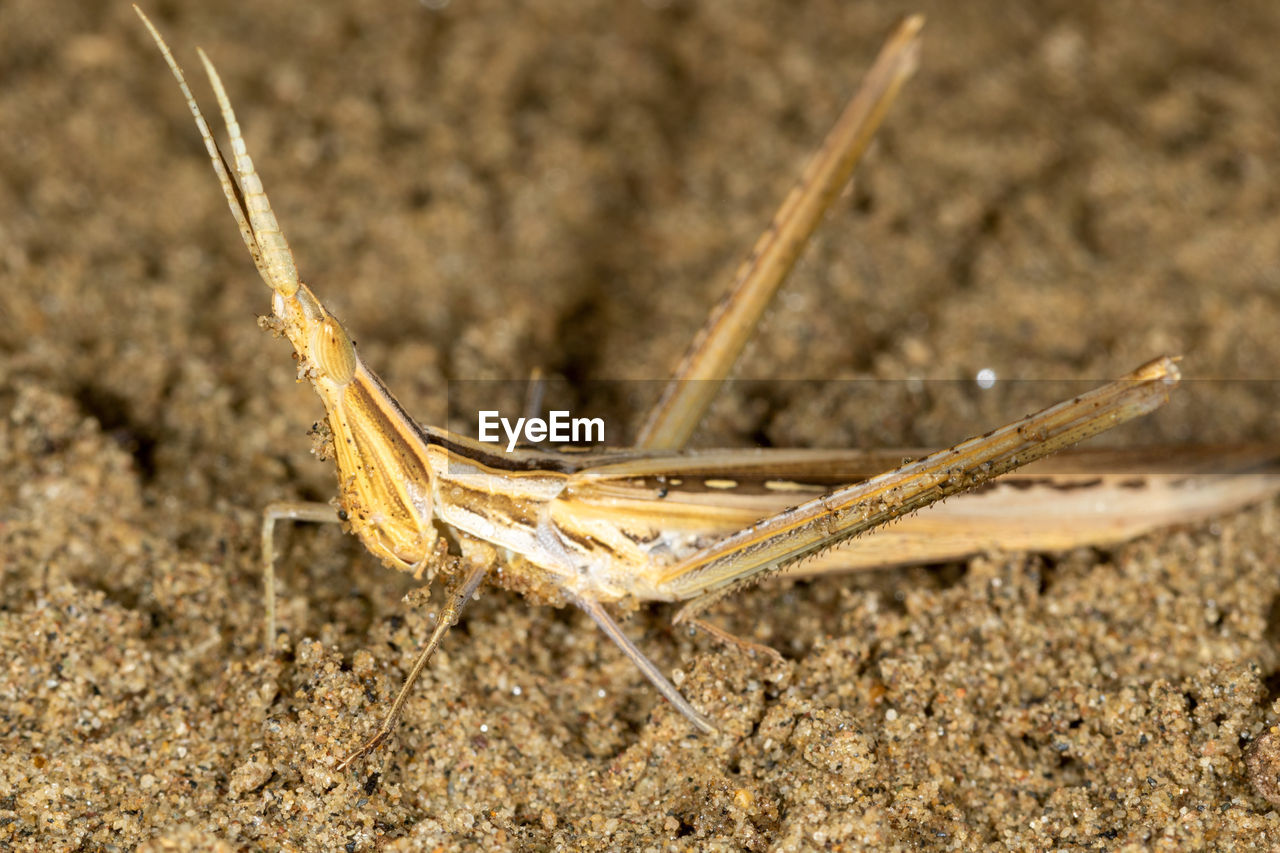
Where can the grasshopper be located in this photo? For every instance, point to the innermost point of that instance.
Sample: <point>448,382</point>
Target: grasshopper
<point>612,530</point>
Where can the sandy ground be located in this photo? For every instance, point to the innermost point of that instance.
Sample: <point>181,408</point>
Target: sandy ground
<point>1064,191</point>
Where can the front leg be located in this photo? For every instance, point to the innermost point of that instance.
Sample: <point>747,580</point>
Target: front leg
<point>320,513</point>
<point>448,617</point>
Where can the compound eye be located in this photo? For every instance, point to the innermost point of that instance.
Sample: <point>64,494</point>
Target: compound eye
<point>333,353</point>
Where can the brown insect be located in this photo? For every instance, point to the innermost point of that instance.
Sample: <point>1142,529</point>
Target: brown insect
<point>654,523</point>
